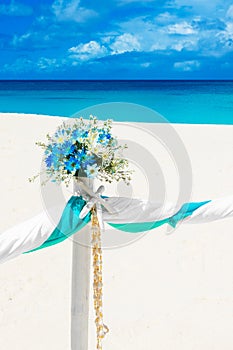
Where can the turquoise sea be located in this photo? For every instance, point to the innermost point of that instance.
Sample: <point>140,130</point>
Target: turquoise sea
<point>199,102</point>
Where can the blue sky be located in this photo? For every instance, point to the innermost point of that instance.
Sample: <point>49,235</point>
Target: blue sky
<point>116,39</point>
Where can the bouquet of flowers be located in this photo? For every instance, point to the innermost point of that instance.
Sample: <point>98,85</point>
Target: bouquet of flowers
<point>84,149</point>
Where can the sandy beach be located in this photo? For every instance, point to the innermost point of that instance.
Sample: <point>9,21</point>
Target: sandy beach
<point>160,292</point>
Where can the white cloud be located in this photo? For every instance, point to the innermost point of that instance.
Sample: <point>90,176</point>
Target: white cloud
<point>45,63</point>
<point>107,39</point>
<point>146,31</point>
<point>229,29</point>
<point>157,35</point>
<point>230,12</point>
<point>15,9</point>
<point>42,19</point>
<point>21,64</point>
<point>125,43</point>
<point>160,45</point>
<point>70,10</point>
<point>165,42</point>
<point>228,32</point>
<point>225,38</point>
<point>165,18</point>
<point>32,39</point>
<point>187,66</point>
<point>145,65</point>
<point>17,40</point>
<point>113,46</point>
<point>206,7</point>
<point>24,65</point>
<point>123,2</point>
<point>183,28</point>
<point>88,51</point>
<point>189,45</point>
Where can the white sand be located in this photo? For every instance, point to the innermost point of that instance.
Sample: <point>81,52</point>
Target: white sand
<point>162,292</point>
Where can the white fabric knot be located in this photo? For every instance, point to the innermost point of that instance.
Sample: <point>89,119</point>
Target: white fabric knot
<point>94,199</point>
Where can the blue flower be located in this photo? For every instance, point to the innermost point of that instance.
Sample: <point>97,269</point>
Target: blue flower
<point>60,135</point>
<point>104,137</point>
<point>56,150</point>
<point>66,147</point>
<point>79,134</point>
<point>87,160</point>
<point>51,160</point>
<point>72,149</point>
<point>60,132</point>
<point>72,164</point>
<point>81,153</point>
<point>48,149</point>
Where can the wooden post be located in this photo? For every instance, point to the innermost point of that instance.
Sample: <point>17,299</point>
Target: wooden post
<point>81,263</point>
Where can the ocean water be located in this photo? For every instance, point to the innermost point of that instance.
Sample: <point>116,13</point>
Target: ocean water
<point>198,102</point>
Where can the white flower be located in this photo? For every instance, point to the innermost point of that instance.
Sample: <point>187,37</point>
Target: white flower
<point>92,171</point>
<point>60,139</point>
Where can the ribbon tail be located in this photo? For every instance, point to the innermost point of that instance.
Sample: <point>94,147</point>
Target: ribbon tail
<point>87,208</point>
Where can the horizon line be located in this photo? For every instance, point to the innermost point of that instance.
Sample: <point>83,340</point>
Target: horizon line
<point>119,80</point>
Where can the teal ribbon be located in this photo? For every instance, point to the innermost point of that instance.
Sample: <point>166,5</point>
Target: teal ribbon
<point>70,223</point>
